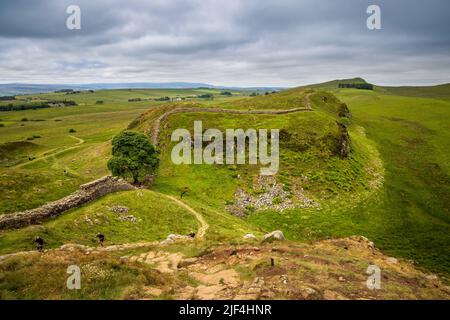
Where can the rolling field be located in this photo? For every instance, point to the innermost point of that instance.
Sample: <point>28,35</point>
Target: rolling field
<point>393,187</point>
<point>68,146</point>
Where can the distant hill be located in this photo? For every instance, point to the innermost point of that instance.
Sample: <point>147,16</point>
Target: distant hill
<point>27,88</point>
<point>335,83</point>
<point>437,92</point>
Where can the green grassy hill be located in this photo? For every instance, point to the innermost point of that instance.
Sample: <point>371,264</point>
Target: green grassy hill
<point>398,142</point>
<point>393,187</point>
<point>433,92</point>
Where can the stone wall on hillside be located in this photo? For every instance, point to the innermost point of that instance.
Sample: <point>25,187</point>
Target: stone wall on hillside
<point>86,193</point>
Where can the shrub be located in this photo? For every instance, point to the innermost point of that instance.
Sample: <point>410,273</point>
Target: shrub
<point>72,131</point>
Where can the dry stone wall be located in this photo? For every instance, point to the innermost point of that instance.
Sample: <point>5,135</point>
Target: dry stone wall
<point>86,193</point>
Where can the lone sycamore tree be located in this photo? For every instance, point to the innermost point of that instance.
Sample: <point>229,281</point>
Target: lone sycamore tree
<point>133,157</point>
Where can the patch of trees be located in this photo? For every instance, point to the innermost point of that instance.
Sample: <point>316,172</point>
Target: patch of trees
<point>205,96</point>
<point>364,86</point>
<point>7,98</point>
<point>28,106</point>
<point>64,91</point>
<point>162,99</point>
<point>226,93</point>
<point>134,158</point>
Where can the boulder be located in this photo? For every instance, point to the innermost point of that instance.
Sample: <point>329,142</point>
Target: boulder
<point>274,235</point>
<point>250,236</point>
<point>172,238</point>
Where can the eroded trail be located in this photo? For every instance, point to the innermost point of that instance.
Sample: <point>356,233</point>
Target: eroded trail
<point>203,224</point>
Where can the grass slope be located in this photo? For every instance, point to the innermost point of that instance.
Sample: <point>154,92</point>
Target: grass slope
<point>156,219</point>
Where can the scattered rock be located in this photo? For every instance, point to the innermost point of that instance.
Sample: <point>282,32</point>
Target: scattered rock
<point>250,236</point>
<point>392,260</point>
<point>172,238</point>
<point>269,195</point>
<point>119,209</point>
<point>129,218</point>
<point>431,277</point>
<point>152,291</point>
<point>331,295</point>
<point>186,262</point>
<point>73,247</point>
<point>274,235</point>
<point>309,293</point>
<point>224,277</point>
<point>208,292</point>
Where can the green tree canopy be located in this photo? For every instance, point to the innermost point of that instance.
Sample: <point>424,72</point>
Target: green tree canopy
<point>133,157</point>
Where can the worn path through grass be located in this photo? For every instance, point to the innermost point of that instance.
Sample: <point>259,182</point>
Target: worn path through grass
<point>48,155</point>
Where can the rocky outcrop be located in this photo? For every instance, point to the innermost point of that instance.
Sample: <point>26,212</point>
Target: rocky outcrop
<point>343,147</point>
<point>86,193</point>
<point>268,195</point>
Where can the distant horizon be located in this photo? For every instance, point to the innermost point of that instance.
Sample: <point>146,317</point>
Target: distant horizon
<point>197,84</point>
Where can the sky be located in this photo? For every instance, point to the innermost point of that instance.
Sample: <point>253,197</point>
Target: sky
<point>234,43</point>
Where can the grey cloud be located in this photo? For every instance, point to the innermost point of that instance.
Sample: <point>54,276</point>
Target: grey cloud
<point>248,42</point>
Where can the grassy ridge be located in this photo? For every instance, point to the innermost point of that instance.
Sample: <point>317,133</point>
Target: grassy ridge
<point>155,219</point>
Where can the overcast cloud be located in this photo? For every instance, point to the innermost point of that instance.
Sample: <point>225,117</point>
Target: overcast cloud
<point>244,43</point>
